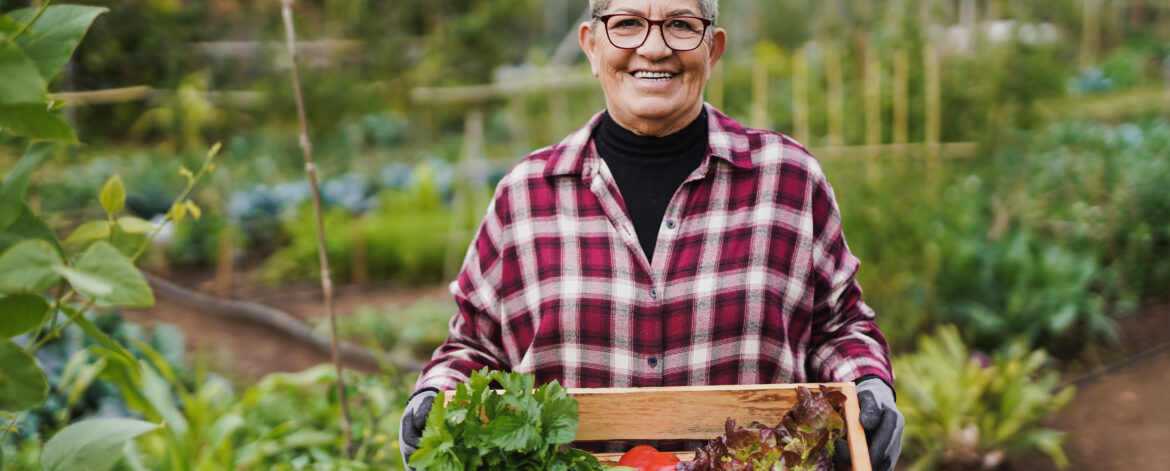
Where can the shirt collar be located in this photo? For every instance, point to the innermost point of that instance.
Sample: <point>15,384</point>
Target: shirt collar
<point>726,140</point>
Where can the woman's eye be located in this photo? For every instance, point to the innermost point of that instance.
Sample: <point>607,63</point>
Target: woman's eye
<point>680,25</point>
<point>628,23</point>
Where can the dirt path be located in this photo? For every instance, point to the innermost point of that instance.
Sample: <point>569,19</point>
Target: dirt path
<point>246,352</point>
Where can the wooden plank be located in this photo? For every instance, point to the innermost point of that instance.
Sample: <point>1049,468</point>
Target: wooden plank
<point>699,413</point>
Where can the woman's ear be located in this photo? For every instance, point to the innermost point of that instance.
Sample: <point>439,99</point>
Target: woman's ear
<point>718,44</point>
<point>588,41</point>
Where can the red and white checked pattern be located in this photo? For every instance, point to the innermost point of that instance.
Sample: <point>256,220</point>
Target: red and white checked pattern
<point>752,281</point>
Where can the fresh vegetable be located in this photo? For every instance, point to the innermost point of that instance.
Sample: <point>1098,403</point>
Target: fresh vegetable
<point>647,458</point>
<point>802,441</point>
<point>518,428</point>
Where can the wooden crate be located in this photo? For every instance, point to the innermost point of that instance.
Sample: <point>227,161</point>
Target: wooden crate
<point>698,413</point>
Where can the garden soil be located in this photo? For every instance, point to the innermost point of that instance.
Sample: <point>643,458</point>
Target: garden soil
<point>1118,420</point>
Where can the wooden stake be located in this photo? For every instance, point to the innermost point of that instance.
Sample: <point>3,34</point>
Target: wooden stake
<point>800,124</point>
<point>933,107</point>
<point>470,166</point>
<point>836,99</point>
<point>1090,32</point>
<point>759,94</point>
<point>901,97</point>
<point>873,112</point>
<point>311,173</point>
<point>715,86</point>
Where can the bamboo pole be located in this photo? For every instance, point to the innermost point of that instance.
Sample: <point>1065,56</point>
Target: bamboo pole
<point>465,190</point>
<point>311,173</point>
<point>1090,31</point>
<point>800,120</point>
<point>901,97</point>
<point>873,112</point>
<point>759,94</point>
<point>933,107</point>
<point>715,86</point>
<point>836,98</point>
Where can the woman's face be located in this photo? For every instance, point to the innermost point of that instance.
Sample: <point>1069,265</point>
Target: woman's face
<point>651,90</point>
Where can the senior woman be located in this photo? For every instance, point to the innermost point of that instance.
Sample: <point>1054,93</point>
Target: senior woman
<point>664,244</point>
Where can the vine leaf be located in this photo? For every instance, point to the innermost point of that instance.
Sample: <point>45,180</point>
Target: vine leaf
<point>113,195</point>
<point>30,266</point>
<point>93,230</point>
<point>28,226</point>
<point>20,313</point>
<point>58,31</point>
<point>133,225</point>
<point>22,383</point>
<point>23,83</point>
<point>105,263</point>
<point>15,183</point>
<point>35,121</point>
<point>93,445</point>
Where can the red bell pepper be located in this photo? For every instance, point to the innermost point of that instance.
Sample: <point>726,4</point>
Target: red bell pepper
<point>646,458</point>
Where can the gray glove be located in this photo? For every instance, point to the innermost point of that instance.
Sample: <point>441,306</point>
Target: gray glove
<point>414,418</point>
<point>883,426</point>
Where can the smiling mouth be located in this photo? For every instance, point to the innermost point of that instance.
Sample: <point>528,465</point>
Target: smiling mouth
<point>655,76</point>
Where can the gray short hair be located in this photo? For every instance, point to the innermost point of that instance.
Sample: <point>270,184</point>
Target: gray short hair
<point>707,8</point>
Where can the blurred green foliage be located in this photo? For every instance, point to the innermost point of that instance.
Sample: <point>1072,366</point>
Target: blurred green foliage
<point>415,330</point>
<point>1050,237</point>
<point>969,411</point>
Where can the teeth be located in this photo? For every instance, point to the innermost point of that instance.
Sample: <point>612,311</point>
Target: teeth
<point>642,74</point>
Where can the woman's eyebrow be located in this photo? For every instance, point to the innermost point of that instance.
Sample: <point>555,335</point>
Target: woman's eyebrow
<point>682,12</point>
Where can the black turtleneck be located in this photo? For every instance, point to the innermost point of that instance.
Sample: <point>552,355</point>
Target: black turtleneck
<point>648,170</point>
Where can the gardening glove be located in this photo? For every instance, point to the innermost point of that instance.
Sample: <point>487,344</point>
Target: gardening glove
<point>414,418</point>
<point>882,422</point>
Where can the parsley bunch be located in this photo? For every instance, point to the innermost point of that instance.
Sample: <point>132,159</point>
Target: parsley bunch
<point>520,428</point>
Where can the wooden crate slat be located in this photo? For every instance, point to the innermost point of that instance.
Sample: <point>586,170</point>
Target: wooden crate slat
<point>698,413</point>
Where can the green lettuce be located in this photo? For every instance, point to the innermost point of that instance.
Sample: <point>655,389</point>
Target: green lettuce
<point>802,441</point>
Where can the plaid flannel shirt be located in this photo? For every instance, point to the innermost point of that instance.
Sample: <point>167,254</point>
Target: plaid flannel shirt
<point>752,281</point>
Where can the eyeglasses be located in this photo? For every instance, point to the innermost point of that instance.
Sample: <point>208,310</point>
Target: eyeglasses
<point>680,33</point>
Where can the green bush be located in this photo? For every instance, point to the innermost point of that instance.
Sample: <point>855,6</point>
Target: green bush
<point>408,238</point>
<point>963,414</point>
<point>416,330</point>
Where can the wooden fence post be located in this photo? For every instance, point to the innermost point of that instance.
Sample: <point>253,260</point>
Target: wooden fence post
<point>715,86</point>
<point>901,96</point>
<point>470,163</point>
<point>933,108</point>
<point>800,124</point>
<point>759,94</point>
<point>836,97</point>
<point>873,113</point>
<point>1090,32</point>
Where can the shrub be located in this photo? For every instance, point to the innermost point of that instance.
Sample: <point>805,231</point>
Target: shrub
<point>963,412</point>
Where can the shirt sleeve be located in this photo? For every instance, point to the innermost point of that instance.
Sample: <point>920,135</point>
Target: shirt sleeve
<point>475,338</point>
<point>846,343</point>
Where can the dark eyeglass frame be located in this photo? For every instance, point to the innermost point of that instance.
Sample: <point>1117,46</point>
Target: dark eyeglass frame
<point>650,25</point>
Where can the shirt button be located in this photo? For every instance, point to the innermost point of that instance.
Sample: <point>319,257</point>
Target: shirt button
<point>670,224</point>
<point>653,293</point>
<point>653,361</point>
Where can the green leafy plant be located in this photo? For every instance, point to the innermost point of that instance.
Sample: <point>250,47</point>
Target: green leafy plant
<point>803,440</point>
<point>519,428</point>
<point>962,414</point>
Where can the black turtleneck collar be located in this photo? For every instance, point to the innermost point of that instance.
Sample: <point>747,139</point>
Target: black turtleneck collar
<point>649,169</point>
